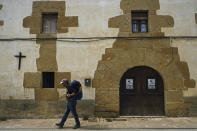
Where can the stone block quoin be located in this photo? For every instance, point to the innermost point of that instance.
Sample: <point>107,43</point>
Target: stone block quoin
<point>47,61</point>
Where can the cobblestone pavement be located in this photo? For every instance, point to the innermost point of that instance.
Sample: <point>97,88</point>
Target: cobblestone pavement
<point>134,124</point>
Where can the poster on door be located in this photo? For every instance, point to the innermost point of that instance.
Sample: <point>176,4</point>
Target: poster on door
<point>151,84</point>
<point>129,84</point>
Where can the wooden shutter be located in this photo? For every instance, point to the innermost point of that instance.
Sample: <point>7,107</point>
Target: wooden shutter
<point>49,23</point>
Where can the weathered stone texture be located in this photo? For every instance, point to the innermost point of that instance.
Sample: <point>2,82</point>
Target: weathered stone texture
<point>177,109</point>
<point>155,53</point>
<point>47,61</point>
<point>34,22</point>
<point>25,109</point>
<point>123,22</point>
<point>46,94</point>
<point>32,80</point>
<point>128,5</point>
<point>174,96</point>
<point>1,22</point>
<point>190,83</point>
<point>59,76</point>
<point>193,105</point>
<point>196,18</point>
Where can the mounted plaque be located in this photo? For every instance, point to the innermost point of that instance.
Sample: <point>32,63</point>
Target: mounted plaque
<point>130,84</point>
<point>151,84</point>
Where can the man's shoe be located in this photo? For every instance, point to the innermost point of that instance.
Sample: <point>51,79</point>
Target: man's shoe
<point>76,126</point>
<point>58,124</point>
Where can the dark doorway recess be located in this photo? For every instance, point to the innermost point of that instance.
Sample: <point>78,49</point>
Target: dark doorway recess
<point>141,92</point>
<point>48,79</point>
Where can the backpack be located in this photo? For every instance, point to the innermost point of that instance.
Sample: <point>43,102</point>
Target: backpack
<point>77,84</point>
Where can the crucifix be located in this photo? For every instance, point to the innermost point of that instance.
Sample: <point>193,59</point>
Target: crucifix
<point>20,56</point>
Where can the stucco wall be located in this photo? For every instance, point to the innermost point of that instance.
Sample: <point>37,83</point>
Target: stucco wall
<point>187,51</point>
<point>78,58</point>
<point>11,85</point>
<point>183,13</point>
<point>81,59</point>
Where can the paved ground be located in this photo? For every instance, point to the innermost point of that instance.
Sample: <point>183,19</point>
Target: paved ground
<point>134,124</point>
<point>68,129</point>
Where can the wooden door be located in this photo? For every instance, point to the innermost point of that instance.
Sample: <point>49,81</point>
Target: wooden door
<point>141,92</point>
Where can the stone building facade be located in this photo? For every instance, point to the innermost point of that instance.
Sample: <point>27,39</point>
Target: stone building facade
<point>133,57</point>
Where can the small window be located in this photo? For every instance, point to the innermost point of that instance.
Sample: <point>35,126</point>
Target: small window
<point>140,22</point>
<point>48,79</point>
<point>49,25</point>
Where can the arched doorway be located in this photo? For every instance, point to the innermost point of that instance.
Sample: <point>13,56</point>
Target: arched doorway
<point>141,92</point>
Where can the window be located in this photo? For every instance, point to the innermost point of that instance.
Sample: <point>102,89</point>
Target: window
<point>49,23</point>
<point>139,22</point>
<point>48,79</point>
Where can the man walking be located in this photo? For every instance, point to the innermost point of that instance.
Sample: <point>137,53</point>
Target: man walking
<point>71,104</point>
